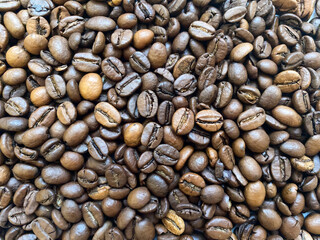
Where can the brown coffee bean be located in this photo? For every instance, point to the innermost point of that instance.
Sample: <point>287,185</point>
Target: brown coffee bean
<point>76,133</point>
<point>58,47</point>
<point>239,52</point>
<point>107,115</point>
<point>201,31</point>
<point>302,164</point>
<point>293,148</point>
<point>142,38</point>
<point>184,65</point>
<point>183,121</point>
<point>113,68</point>
<point>174,223</point>
<point>138,198</point>
<point>55,86</point>
<point>255,194</point>
<point>288,81</point>
<point>219,228</point>
<point>256,140</point>
<point>250,168</point>
<point>147,104</point>
<point>66,113</point>
<point>13,25</point>
<point>191,184</point>
<point>17,57</point>
<point>100,23</point>
<point>121,38</point>
<point>269,219</point>
<point>157,55</point>
<point>251,119</point>
<point>132,134</point>
<point>311,223</point>
<point>92,215</point>
<point>235,14</point>
<point>287,116</point>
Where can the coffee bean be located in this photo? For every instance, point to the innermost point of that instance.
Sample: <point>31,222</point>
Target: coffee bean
<point>58,47</point>
<point>201,31</point>
<point>144,12</point>
<point>107,115</point>
<point>142,38</point>
<point>287,35</point>
<point>183,121</point>
<point>174,223</point>
<point>98,149</point>
<point>121,38</point>
<point>147,104</point>
<point>251,119</point>
<point>165,112</point>
<point>55,86</point>
<point>139,62</point>
<point>270,219</point>
<point>255,193</point>
<point>282,113</point>
<point>128,85</point>
<point>239,52</point>
<point>16,106</point>
<point>219,228</point>
<point>152,135</point>
<point>18,217</point>
<point>113,68</point>
<point>191,184</point>
<point>209,120</point>
<point>288,81</point>
<point>66,113</point>
<point>100,23</point>
<point>43,228</point>
<point>92,215</point>
<point>86,62</point>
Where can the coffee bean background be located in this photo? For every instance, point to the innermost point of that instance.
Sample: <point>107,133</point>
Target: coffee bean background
<point>167,119</point>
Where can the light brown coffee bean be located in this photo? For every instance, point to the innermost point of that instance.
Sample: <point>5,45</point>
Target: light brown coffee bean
<point>174,223</point>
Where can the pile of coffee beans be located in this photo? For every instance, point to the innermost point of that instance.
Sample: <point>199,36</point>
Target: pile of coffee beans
<point>167,119</point>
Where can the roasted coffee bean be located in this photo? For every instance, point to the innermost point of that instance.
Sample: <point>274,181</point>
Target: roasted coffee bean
<point>128,85</point>
<point>43,228</point>
<point>147,104</point>
<point>86,62</point>
<point>224,94</point>
<point>188,211</point>
<point>165,112</point>
<point>284,113</point>
<point>235,14</point>
<point>58,47</point>
<point>166,154</point>
<point>107,115</point>
<point>16,106</point>
<point>113,68</point>
<point>55,86</point>
<point>183,121</point>
<point>201,31</point>
<point>76,133</point>
<point>209,120</point>
<point>191,184</point>
<point>174,223</point>
<point>18,217</point>
<point>139,62</point>
<point>52,150</point>
<point>251,119</point>
<point>152,135</point>
<point>219,228</point>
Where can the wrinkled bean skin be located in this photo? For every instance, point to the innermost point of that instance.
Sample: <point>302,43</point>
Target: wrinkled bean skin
<point>159,119</point>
